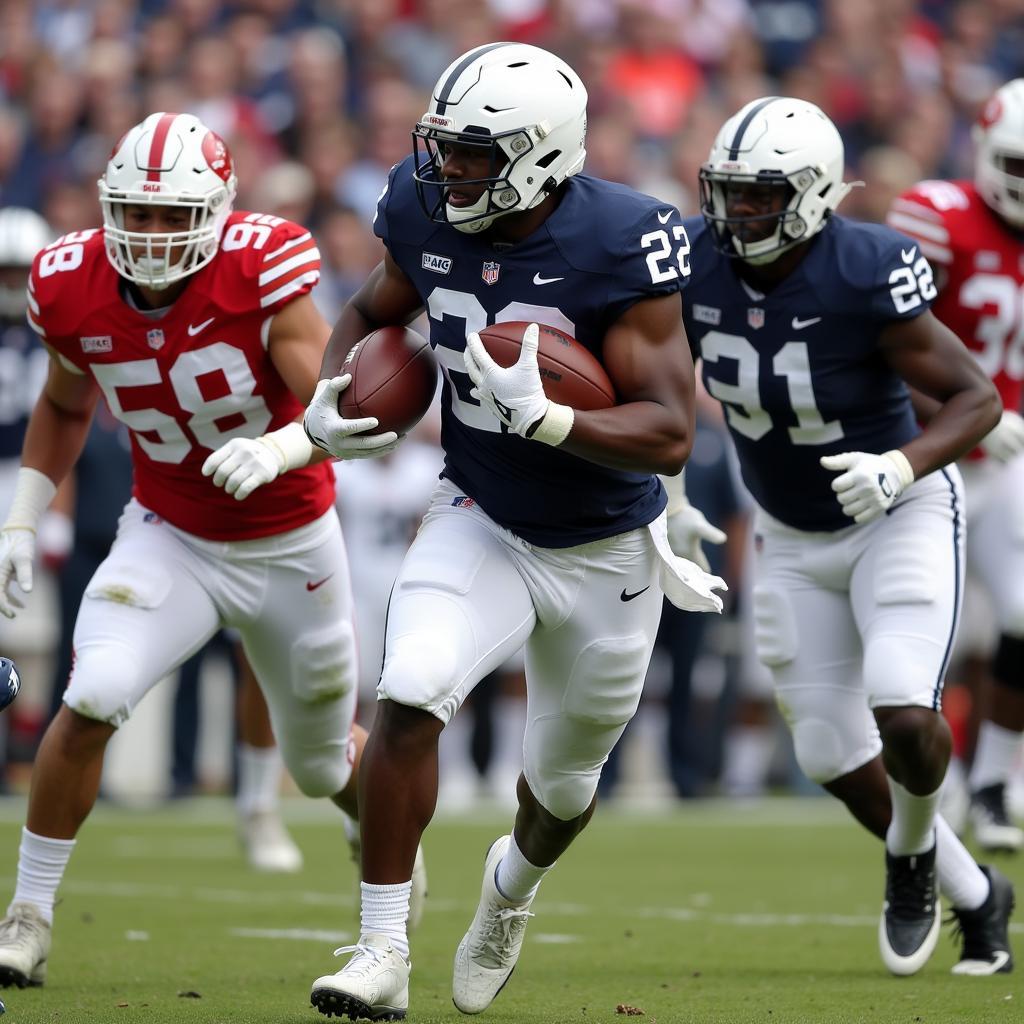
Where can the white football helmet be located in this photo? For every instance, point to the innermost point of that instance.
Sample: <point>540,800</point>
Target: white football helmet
<point>22,234</point>
<point>526,106</point>
<point>999,152</point>
<point>781,141</point>
<point>169,160</point>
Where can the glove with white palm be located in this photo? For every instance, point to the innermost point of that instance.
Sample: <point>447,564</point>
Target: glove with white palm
<point>515,394</point>
<point>245,463</point>
<point>340,437</point>
<point>1006,439</point>
<point>871,483</point>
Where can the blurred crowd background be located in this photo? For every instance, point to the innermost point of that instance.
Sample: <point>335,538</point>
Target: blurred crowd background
<point>316,99</point>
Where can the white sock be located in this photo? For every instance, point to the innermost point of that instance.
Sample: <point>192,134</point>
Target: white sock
<point>386,911</point>
<point>961,881</point>
<point>259,779</point>
<point>748,757</point>
<point>41,864</point>
<point>994,757</point>
<point>516,878</point>
<point>912,829</point>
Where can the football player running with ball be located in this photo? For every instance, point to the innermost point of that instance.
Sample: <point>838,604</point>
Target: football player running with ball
<point>973,234</point>
<point>547,529</point>
<point>196,325</point>
<point>810,327</point>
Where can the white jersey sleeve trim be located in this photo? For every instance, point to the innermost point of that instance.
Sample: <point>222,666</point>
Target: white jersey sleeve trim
<point>917,227</point>
<point>311,255</point>
<point>270,256</point>
<point>311,278</point>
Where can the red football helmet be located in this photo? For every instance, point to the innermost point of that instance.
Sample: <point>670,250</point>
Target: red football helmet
<point>170,160</point>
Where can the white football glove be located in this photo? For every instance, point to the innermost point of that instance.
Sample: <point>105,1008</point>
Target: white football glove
<point>687,527</point>
<point>1006,439</point>
<point>17,553</point>
<point>871,483</point>
<point>243,464</point>
<point>515,393</point>
<point>328,429</point>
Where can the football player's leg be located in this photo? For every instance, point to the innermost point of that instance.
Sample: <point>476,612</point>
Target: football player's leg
<point>996,556</point>
<point>143,613</point>
<point>585,668</point>
<point>459,608</point>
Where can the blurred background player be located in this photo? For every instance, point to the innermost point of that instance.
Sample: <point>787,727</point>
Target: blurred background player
<point>808,325</point>
<point>196,325</point>
<point>973,234</point>
<point>23,362</point>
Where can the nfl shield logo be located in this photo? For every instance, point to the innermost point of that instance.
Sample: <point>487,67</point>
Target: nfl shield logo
<point>755,318</point>
<point>490,272</point>
<point>155,338</point>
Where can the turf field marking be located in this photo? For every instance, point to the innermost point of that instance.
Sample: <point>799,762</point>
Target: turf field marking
<point>290,934</point>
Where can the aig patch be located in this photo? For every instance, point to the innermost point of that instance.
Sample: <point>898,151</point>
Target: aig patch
<point>707,314</point>
<point>438,264</point>
<point>103,343</point>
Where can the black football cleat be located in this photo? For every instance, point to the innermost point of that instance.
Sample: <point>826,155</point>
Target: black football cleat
<point>985,931</point>
<point>911,915</point>
<point>993,830</point>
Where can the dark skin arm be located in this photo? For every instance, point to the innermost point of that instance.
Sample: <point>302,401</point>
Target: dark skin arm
<point>932,360</point>
<point>645,354</point>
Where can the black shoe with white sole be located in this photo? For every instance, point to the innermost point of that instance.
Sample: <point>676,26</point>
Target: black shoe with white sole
<point>911,915</point>
<point>985,931</point>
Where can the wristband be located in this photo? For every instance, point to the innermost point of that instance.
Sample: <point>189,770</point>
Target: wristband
<point>33,492</point>
<point>291,445</point>
<point>903,467</point>
<point>554,426</point>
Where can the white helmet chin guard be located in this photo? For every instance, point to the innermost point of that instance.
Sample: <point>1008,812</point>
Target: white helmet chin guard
<point>167,160</point>
<point>22,234</point>
<point>999,139</point>
<point>523,106</point>
<point>775,141</point>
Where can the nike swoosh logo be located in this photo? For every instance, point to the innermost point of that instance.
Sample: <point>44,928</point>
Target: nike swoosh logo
<point>313,586</point>
<point>537,279</point>
<point>908,257</point>
<point>629,597</point>
<point>194,329</point>
<point>663,217</point>
<point>799,325</point>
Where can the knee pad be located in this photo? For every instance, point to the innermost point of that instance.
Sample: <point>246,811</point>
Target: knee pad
<point>607,680</point>
<point>421,672</point>
<point>105,684</point>
<point>320,776</point>
<point>833,730</point>
<point>324,664</point>
<point>1008,665</point>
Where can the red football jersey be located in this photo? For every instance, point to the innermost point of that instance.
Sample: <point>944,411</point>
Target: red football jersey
<point>982,297</point>
<point>195,377</point>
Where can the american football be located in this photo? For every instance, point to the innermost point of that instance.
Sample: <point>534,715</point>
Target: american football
<point>10,683</point>
<point>571,374</point>
<point>394,376</point>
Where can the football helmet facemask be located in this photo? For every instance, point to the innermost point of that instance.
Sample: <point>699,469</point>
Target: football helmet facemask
<point>781,142</point>
<point>999,152</point>
<point>522,105</point>
<point>167,160</point>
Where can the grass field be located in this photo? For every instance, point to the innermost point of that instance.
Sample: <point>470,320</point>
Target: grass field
<point>723,913</point>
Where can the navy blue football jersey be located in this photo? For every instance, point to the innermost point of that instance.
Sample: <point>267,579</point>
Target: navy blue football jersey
<point>799,370</point>
<point>23,366</point>
<point>604,248</point>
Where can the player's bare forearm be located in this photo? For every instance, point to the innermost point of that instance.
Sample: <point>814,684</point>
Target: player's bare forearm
<point>643,437</point>
<point>55,437</point>
<point>931,359</point>
<point>648,360</point>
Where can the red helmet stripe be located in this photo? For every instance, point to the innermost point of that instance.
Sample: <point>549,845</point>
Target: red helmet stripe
<point>156,147</point>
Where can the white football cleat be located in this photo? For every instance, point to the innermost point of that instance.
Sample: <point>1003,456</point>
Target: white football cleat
<point>267,845</point>
<point>373,985</point>
<point>488,952</point>
<point>25,938</point>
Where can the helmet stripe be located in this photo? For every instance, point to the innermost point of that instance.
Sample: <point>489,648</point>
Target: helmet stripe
<point>156,147</point>
<point>734,149</point>
<point>449,84</point>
